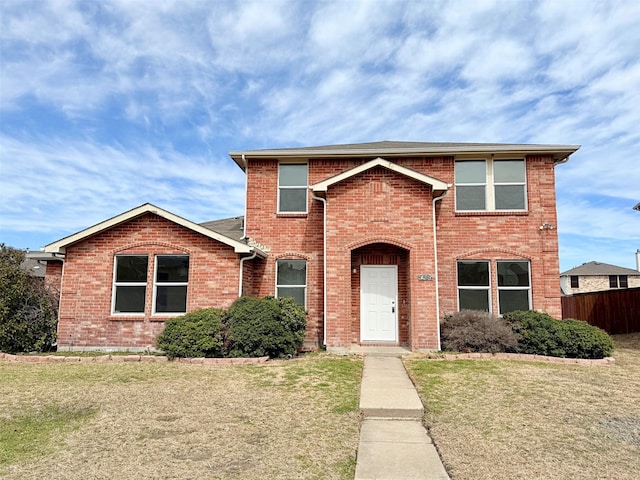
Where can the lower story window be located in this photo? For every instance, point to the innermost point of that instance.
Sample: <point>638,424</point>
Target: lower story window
<point>473,285</point>
<point>130,282</point>
<point>291,280</point>
<point>513,286</point>
<point>171,281</point>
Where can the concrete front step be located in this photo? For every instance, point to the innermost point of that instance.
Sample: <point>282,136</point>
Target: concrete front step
<point>386,390</point>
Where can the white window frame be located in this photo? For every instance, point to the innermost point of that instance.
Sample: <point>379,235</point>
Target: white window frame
<point>117,284</point>
<point>515,288</point>
<point>487,288</point>
<point>303,286</point>
<point>304,187</point>
<point>490,184</point>
<point>156,283</point>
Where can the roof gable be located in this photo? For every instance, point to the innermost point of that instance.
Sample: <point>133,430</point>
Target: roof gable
<point>61,245</point>
<point>381,162</point>
<point>599,268</point>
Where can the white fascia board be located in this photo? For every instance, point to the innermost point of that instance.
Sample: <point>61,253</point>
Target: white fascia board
<point>61,245</point>
<point>559,152</point>
<point>381,162</point>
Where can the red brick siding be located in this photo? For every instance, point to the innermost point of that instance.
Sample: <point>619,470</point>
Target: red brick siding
<point>85,307</point>
<point>382,207</point>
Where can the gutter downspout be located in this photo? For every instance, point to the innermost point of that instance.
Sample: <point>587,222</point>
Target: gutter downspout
<point>242,260</point>
<point>435,259</point>
<point>324,266</point>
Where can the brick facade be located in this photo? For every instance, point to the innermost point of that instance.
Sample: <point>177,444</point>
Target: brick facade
<point>378,216</point>
<point>85,318</point>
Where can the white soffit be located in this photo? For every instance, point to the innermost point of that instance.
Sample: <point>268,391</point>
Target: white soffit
<point>381,162</point>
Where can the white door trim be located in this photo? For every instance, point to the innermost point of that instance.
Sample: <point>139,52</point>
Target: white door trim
<point>392,304</point>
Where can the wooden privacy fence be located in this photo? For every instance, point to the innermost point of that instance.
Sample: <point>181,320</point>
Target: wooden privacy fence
<point>614,311</point>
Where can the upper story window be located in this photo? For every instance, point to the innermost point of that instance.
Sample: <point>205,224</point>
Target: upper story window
<point>490,185</point>
<point>292,187</point>
<point>291,280</point>
<point>130,283</point>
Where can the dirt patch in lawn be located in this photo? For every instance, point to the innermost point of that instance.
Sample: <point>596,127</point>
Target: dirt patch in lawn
<point>520,420</point>
<point>293,419</point>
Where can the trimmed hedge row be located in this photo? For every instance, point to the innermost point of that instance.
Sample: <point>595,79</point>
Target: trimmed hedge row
<point>527,332</point>
<point>252,327</point>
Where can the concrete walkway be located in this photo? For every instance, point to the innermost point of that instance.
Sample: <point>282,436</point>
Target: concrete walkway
<point>393,443</point>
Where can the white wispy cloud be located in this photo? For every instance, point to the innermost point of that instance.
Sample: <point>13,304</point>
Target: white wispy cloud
<point>111,104</point>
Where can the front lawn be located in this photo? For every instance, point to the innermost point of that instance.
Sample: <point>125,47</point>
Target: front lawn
<point>519,420</point>
<point>281,420</point>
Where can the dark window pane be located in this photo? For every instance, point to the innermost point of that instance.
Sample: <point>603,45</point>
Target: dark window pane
<point>297,293</point>
<point>624,283</point>
<point>173,268</point>
<point>474,171</point>
<point>171,299</point>
<point>575,282</point>
<point>508,171</point>
<point>474,299</point>
<point>513,274</point>
<point>470,198</point>
<point>293,200</point>
<point>509,197</point>
<point>131,268</point>
<point>293,175</point>
<point>613,281</point>
<point>292,272</point>
<point>130,299</point>
<point>511,300</point>
<point>473,274</point>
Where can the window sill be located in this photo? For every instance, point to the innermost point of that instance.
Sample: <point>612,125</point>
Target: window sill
<point>127,318</point>
<point>292,215</point>
<point>164,318</point>
<point>495,213</point>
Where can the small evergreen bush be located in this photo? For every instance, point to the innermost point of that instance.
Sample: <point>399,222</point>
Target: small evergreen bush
<point>28,310</point>
<point>265,326</point>
<point>477,331</point>
<point>541,334</point>
<point>196,334</point>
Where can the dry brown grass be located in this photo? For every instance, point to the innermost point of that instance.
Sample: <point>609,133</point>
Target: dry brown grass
<point>518,420</point>
<point>284,420</point>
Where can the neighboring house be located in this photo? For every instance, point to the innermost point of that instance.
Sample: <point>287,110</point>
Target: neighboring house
<point>379,241</point>
<point>597,277</point>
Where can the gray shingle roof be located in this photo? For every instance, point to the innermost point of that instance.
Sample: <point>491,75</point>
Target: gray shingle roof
<point>599,268</point>
<point>229,227</point>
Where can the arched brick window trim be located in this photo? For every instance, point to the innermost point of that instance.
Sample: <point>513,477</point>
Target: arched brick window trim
<point>292,256</point>
<point>388,240</point>
<point>162,245</point>
<point>482,253</point>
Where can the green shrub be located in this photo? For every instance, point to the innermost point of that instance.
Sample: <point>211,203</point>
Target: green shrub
<point>541,334</point>
<point>196,334</point>
<point>28,311</point>
<point>268,326</point>
<point>477,331</point>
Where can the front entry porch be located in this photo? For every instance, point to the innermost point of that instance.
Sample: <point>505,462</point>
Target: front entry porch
<point>380,308</point>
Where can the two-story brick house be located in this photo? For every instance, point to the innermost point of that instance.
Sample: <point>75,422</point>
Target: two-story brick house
<point>378,240</point>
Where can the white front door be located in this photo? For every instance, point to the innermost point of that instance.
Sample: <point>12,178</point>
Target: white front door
<point>378,303</point>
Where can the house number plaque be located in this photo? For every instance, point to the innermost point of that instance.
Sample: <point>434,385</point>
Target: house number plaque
<point>424,277</point>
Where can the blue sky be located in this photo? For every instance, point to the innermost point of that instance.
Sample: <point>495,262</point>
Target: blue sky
<point>105,105</point>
